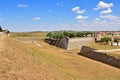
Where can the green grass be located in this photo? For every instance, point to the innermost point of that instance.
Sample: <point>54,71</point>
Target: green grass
<point>103,47</point>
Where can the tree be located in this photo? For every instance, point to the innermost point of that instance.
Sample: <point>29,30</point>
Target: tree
<point>116,39</point>
<point>49,34</point>
<point>72,34</point>
<point>1,29</point>
<point>106,39</point>
<point>80,34</point>
<point>55,35</point>
<point>88,33</point>
<point>66,34</point>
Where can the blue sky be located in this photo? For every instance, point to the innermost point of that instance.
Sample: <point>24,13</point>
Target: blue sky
<point>50,15</point>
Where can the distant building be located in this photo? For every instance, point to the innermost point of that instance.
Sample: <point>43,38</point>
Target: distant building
<point>116,33</point>
<point>102,33</point>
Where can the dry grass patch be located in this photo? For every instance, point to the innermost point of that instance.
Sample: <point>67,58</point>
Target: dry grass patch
<point>30,62</point>
<point>29,34</point>
<point>103,47</point>
<point>115,54</point>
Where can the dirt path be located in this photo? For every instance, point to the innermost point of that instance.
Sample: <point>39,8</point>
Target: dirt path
<point>113,50</point>
<point>20,61</point>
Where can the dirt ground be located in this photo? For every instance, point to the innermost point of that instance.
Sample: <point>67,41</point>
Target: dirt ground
<point>20,61</point>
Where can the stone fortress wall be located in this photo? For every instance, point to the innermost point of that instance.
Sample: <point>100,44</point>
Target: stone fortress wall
<point>71,43</point>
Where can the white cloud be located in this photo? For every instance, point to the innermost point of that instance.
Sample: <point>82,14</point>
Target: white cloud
<point>36,18</point>
<point>106,11</point>
<point>106,8</point>
<point>97,19</point>
<point>22,5</point>
<point>101,25</point>
<point>111,18</point>
<point>103,5</point>
<point>77,10</point>
<point>81,18</point>
<point>106,22</point>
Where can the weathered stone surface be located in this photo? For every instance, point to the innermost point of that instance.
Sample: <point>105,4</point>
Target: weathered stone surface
<point>71,43</point>
<point>99,56</point>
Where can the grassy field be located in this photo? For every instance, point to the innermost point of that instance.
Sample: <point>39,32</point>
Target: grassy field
<point>103,47</point>
<point>19,61</point>
<point>29,34</point>
<point>115,54</point>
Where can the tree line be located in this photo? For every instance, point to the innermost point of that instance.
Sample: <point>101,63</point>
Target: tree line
<point>70,34</point>
<point>106,39</point>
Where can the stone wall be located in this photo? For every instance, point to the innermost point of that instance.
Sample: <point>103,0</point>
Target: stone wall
<point>74,43</point>
<point>70,43</point>
<point>63,43</point>
<point>99,56</point>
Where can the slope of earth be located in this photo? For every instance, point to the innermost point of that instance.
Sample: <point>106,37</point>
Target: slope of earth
<point>19,61</point>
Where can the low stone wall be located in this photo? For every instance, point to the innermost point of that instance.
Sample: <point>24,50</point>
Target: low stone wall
<point>102,57</point>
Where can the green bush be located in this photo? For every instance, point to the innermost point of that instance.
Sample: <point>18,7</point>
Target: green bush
<point>106,39</point>
<point>55,35</point>
<point>72,34</point>
<point>66,33</point>
<point>49,34</point>
<point>88,33</point>
<point>80,34</point>
<point>116,39</point>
